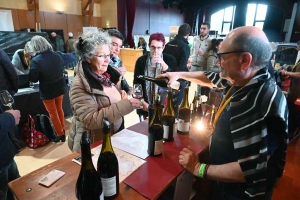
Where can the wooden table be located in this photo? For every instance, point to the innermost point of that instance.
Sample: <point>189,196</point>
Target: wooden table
<point>146,179</point>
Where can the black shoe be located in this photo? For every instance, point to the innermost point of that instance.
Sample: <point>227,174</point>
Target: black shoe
<point>60,138</point>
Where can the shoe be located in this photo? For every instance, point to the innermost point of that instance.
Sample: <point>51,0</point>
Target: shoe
<point>61,138</point>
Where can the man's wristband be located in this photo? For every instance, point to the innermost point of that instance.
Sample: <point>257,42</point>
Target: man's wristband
<point>201,170</point>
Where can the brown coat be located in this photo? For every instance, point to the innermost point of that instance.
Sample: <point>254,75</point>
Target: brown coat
<point>90,105</point>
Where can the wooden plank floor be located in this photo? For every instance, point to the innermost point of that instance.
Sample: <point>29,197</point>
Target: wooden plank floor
<point>288,186</point>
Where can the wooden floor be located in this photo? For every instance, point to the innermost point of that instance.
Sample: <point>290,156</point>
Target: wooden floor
<point>288,186</point>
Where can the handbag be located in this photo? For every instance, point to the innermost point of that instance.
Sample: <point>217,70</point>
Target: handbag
<point>33,137</point>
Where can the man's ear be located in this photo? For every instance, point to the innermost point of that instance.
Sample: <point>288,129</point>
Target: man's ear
<point>245,60</point>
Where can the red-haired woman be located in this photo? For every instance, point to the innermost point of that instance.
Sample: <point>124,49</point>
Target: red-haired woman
<point>147,65</point>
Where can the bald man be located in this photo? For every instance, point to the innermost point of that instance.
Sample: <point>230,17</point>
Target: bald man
<point>249,141</point>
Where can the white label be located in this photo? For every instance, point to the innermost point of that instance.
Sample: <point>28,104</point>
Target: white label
<point>183,126</point>
<point>109,186</point>
<point>101,196</point>
<point>158,147</point>
<point>166,131</point>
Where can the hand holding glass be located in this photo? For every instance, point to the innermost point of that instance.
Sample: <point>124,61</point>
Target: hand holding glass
<point>6,99</point>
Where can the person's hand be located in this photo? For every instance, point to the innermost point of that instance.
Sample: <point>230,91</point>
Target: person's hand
<point>201,52</point>
<point>145,106</point>
<point>283,72</point>
<point>16,114</point>
<point>172,76</point>
<point>189,160</point>
<point>122,70</point>
<point>136,103</point>
<point>123,94</point>
<point>156,58</point>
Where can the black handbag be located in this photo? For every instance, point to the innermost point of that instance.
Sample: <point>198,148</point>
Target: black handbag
<point>44,124</point>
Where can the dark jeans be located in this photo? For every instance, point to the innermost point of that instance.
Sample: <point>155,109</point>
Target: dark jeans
<point>7,174</point>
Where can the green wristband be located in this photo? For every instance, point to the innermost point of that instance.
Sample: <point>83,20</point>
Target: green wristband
<point>201,170</point>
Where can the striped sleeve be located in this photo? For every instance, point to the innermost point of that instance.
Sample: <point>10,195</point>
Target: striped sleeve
<point>251,129</point>
<point>216,79</point>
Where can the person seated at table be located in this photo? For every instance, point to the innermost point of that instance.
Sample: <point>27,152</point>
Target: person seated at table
<point>142,44</point>
<point>47,67</point>
<point>21,59</point>
<point>94,93</point>
<point>8,149</point>
<point>146,65</point>
<point>248,145</point>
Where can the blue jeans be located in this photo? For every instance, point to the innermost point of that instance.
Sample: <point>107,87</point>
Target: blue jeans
<point>8,173</point>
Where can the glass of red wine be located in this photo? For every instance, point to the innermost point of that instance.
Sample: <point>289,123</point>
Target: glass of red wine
<point>138,92</point>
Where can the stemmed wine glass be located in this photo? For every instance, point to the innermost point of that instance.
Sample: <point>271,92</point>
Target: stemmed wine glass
<point>31,85</point>
<point>6,99</point>
<point>138,92</point>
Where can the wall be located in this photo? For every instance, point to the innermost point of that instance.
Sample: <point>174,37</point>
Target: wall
<point>109,13</point>
<point>296,29</point>
<point>158,20</point>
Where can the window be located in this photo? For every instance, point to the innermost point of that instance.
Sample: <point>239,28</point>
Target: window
<point>256,15</point>
<point>222,21</point>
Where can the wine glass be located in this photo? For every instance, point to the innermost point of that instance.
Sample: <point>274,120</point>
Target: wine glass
<point>6,99</point>
<point>138,92</point>
<point>31,85</point>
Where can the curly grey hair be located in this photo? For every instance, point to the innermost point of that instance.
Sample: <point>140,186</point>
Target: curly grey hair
<point>260,49</point>
<point>40,44</point>
<point>28,47</point>
<point>90,41</point>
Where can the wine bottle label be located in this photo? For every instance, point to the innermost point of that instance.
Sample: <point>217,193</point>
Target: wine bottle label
<point>183,126</point>
<point>167,130</point>
<point>109,186</point>
<point>158,147</point>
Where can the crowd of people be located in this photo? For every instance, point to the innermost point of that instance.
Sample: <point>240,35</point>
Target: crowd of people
<point>251,123</point>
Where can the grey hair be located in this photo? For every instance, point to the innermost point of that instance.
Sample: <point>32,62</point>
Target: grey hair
<point>28,48</point>
<point>259,48</point>
<point>90,41</point>
<point>40,44</point>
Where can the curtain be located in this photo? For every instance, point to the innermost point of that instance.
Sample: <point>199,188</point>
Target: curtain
<point>130,8</point>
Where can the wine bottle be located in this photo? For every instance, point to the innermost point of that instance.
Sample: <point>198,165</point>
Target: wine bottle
<point>183,124</point>
<point>162,82</point>
<point>155,131</point>
<point>212,118</point>
<point>169,118</point>
<point>88,185</point>
<point>108,166</point>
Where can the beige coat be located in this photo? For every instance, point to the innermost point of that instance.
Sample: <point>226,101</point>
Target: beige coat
<point>90,106</point>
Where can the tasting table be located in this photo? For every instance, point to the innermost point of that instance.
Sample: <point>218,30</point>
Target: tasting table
<point>148,182</point>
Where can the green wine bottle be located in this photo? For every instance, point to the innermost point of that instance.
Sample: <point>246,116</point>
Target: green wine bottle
<point>169,118</point>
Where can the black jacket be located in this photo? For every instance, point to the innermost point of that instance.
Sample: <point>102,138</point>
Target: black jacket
<point>47,68</point>
<point>180,49</point>
<point>7,146</point>
<point>8,76</point>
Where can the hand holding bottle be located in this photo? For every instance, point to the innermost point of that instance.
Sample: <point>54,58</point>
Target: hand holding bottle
<point>172,76</point>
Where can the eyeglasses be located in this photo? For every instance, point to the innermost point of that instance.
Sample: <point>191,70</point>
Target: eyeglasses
<point>153,48</point>
<point>116,45</point>
<point>229,52</point>
<point>103,56</point>
<point>202,28</point>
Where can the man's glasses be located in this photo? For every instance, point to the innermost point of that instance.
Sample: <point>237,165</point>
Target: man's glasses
<point>219,55</point>
<point>116,45</point>
<point>153,48</point>
<point>103,56</point>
